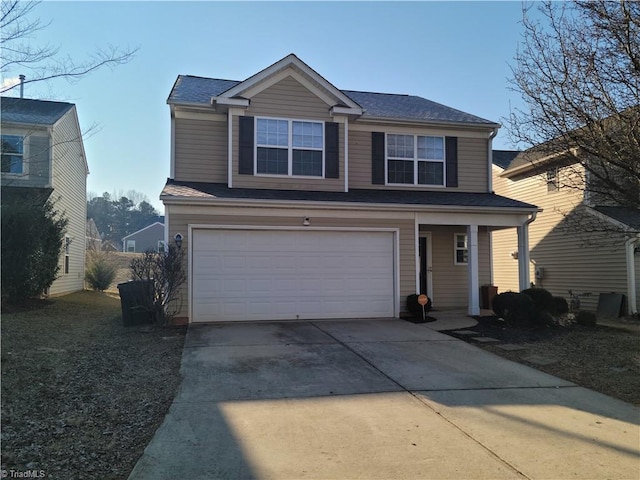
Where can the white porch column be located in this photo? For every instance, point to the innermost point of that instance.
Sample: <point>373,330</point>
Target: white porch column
<point>473,270</point>
<point>524,275</point>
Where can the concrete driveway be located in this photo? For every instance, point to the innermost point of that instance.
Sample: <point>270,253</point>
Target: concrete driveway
<point>378,399</point>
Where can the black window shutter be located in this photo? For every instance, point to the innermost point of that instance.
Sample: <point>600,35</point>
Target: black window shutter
<point>245,162</point>
<point>451,148</point>
<point>377,158</point>
<point>331,150</point>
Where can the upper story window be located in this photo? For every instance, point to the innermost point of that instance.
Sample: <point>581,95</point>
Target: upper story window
<point>289,147</point>
<point>553,180</point>
<point>12,154</point>
<point>415,160</point>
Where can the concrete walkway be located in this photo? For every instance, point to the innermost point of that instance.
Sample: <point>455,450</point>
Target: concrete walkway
<point>378,399</point>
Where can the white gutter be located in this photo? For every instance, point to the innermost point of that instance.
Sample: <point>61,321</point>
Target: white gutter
<point>629,246</point>
<point>492,135</point>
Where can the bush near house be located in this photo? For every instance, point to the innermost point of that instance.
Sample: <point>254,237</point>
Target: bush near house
<point>101,270</point>
<point>515,308</point>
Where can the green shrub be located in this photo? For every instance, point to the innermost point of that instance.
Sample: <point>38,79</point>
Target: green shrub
<point>587,319</point>
<point>560,306</point>
<point>101,270</point>
<point>414,307</point>
<point>514,308</point>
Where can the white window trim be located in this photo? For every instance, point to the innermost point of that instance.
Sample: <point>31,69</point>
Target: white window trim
<point>289,148</point>
<point>456,249</point>
<point>126,247</point>
<point>553,184</point>
<point>415,161</point>
<point>25,154</point>
<point>164,244</point>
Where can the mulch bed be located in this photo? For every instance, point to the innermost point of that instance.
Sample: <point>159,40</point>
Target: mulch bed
<point>601,358</point>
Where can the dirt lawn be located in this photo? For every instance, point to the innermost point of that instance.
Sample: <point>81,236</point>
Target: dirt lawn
<point>81,394</point>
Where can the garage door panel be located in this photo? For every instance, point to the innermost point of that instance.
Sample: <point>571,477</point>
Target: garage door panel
<point>280,274</point>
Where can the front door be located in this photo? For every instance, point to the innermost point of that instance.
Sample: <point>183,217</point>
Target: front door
<point>424,252</point>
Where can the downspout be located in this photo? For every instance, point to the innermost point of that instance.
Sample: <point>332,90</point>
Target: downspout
<point>492,135</point>
<point>629,246</point>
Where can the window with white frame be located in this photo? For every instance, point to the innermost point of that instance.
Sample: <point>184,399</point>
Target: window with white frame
<point>289,147</point>
<point>461,250</point>
<point>131,246</point>
<point>67,250</point>
<point>12,154</point>
<point>161,246</point>
<point>553,180</point>
<point>415,160</point>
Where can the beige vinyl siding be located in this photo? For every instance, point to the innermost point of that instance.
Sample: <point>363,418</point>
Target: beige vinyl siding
<point>593,263</point>
<point>201,150</point>
<point>287,99</point>
<point>179,222</point>
<point>69,181</point>
<point>472,160</point>
<point>450,281</point>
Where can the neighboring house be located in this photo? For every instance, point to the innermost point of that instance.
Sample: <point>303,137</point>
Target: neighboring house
<point>297,200</point>
<point>150,237</point>
<point>42,150</point>
<point>93,237</point>
<point>566,251</point>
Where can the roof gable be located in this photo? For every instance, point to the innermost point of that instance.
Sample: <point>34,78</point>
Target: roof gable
<point>32,112</point>
<point>300,71</point>
<point>153,225</point>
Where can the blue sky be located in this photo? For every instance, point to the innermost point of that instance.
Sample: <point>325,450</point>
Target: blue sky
<point>455,53</point>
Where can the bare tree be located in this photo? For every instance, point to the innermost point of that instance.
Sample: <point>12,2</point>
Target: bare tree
<point>578,71</point>
<point>20,54</point>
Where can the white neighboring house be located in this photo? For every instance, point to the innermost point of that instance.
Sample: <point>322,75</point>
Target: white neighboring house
<point>149,237</point>
<point>42,149</point>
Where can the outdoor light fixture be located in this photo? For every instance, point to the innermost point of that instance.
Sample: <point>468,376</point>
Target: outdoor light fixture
<point>178,240</point>
<point>306,221</point>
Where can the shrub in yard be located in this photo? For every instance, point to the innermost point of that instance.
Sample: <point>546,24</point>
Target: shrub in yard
<point>560,306</point>
<point>542,299</point>
<point>415,308</point>
<point>587,319</point>
<point>101,270</point>
<point>514,308</point>
<point>164,273</point>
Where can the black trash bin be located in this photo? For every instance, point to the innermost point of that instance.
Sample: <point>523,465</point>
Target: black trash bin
<point>134,298</point>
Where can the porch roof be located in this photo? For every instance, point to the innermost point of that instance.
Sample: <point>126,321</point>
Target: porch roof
<point>200,190</point>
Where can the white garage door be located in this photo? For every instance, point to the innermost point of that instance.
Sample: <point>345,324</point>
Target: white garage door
<point>285,274</point>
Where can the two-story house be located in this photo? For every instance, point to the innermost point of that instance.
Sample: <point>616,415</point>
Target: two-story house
<point>579,242</point>
<point>298,200</point>
<point>42,149</point>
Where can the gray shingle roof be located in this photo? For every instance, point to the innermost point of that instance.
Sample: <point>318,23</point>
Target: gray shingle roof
<point>503,158</point>
<point>190,89</point>
<point>26,110</point>
<point>199,90</point>
<point>175,188</point>
<point>409,107</point>
<point>626,215</point>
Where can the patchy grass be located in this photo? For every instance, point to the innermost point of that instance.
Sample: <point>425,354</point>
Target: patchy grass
<point>81,394</point>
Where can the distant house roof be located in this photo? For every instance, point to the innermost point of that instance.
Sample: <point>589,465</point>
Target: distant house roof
<point>143,229</point>
<point>202,190</point>
<point>191,90</point>
<point>26,110</point>
<point>625,215</point>
<point>503,158</point>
